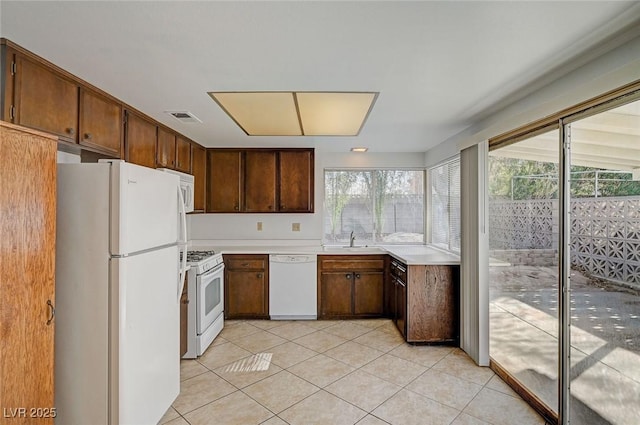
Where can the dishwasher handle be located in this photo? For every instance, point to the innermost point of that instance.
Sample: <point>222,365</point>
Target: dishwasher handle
<point>295,259</point>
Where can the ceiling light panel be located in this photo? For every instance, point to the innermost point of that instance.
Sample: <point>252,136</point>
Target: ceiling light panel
<point>261,113</point>
<point>333,114</point>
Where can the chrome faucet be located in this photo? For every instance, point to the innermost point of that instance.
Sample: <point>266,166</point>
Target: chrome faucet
<point>351,239</point>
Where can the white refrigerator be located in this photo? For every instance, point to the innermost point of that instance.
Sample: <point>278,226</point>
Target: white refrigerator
<point>120,230</point>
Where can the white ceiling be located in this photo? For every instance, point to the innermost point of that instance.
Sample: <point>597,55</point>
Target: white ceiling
<point>439,66</point>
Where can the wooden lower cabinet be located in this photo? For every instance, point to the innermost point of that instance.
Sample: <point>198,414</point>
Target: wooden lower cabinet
<point>184,317</point>
<point>335,294</point>
<point>425,301</point>
<point>246,287</point>
<point>350,286</point>
<point>27,274</point>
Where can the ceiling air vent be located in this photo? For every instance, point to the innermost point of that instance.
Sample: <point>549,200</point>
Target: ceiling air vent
<point>183,116</point>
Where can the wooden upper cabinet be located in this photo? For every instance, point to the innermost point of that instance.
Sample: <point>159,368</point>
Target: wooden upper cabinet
<point>44,100</point>
<point>296,181</point>
<point>199,171</point>
<point>224,181</point>
<point>140,141</point>
<point>166,154</point>
<point>183,155</point>
<point>100,123</point>
<point>260,181</point>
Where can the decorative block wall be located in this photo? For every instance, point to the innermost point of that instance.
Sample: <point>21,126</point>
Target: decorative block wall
<point>605,233</point>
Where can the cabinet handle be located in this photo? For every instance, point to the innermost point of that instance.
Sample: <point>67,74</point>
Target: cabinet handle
<point>270,207</point>
<point>71,131</point>
<point>357,275</point>
<point>87,136</point>
<point>245,264</point>
<point>52,312</point>
<point>260,275</point>
<point>348,275</point>
<point>282,207</point>
<point>236,208</point>
<point>185,302</point>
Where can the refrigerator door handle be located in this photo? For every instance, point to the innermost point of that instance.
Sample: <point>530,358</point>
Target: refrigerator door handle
<point>182,242</point>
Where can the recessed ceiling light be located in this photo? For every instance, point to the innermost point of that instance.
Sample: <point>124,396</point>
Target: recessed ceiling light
<point>359,149</point>
<point>297,113</point>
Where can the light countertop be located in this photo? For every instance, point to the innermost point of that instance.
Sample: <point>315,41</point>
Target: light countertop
<point>408,254</point>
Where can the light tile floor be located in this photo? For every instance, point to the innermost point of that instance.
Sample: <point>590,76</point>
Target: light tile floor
<point>338,373</point>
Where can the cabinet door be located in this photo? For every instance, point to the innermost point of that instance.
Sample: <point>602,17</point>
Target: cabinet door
<point>100,123</point>
<point>224,181</point>
<point>368,293</point>
<point>199,171</point>
<point>140,142</point>
<point>183,155</point>
<point>166,149</point>
<point>27,271</point>
<point>184,318</point>
<point>336,294</point>
<point>246,294</point>
<point>45,100</point>
<point>296,181</point>
<point>260,181</point>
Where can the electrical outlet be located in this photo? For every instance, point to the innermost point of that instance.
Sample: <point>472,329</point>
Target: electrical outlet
<point>259,226</point>
<point>295,227</point>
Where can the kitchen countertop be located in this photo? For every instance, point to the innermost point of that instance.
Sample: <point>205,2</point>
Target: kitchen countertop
<point>408,254</point>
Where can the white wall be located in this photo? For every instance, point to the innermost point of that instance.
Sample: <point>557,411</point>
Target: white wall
<point>278,227</point>
<point>67,158</point>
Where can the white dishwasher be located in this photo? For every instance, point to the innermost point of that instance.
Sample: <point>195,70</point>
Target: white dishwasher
<point>293,291</point>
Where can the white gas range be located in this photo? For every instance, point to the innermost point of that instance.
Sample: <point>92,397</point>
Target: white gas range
<point>206,300</point>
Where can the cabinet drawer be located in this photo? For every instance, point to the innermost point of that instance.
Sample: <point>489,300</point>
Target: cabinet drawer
<point>351,263</point>
<point>398,270</point>
<point>246,263</point>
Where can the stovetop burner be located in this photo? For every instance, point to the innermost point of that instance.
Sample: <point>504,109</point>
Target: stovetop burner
<point>196,256</point>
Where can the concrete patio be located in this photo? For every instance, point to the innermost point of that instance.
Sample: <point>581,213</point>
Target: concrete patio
<point>605,341</point>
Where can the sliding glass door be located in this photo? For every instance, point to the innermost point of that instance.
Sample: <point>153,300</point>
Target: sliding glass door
<point>523,272</point>
<point>565,264</point>
<point>605,267</point>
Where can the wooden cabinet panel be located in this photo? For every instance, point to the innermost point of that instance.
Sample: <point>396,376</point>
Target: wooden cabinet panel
<point>224,180</point>
<point>199,171</point>
<point>245,294</point>
<point>166,156</point>
<point>246,286</point>
<point>100,123</point>
<point>27,270</point>
<point>351,286</point>
<point>432,304</point>
<point>140,142</point>
<point>184,318</point>
<point>183,155</point>
<point>335,299</point>
<point>368,293</point>
<point>296,181</point>
<point>260,181</point>
<point>44,100</point>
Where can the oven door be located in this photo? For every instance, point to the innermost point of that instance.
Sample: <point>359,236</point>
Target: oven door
<point>210,297</point>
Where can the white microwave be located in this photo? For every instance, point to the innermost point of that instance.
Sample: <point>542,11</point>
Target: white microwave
<point>186,186</point>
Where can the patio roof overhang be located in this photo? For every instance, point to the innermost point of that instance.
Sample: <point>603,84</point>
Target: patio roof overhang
<point>609,140</point>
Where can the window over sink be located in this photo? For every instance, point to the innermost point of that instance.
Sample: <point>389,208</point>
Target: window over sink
<point>376,206</point>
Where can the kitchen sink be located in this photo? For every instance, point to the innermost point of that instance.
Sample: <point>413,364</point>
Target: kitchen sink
<point>357,248</point>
